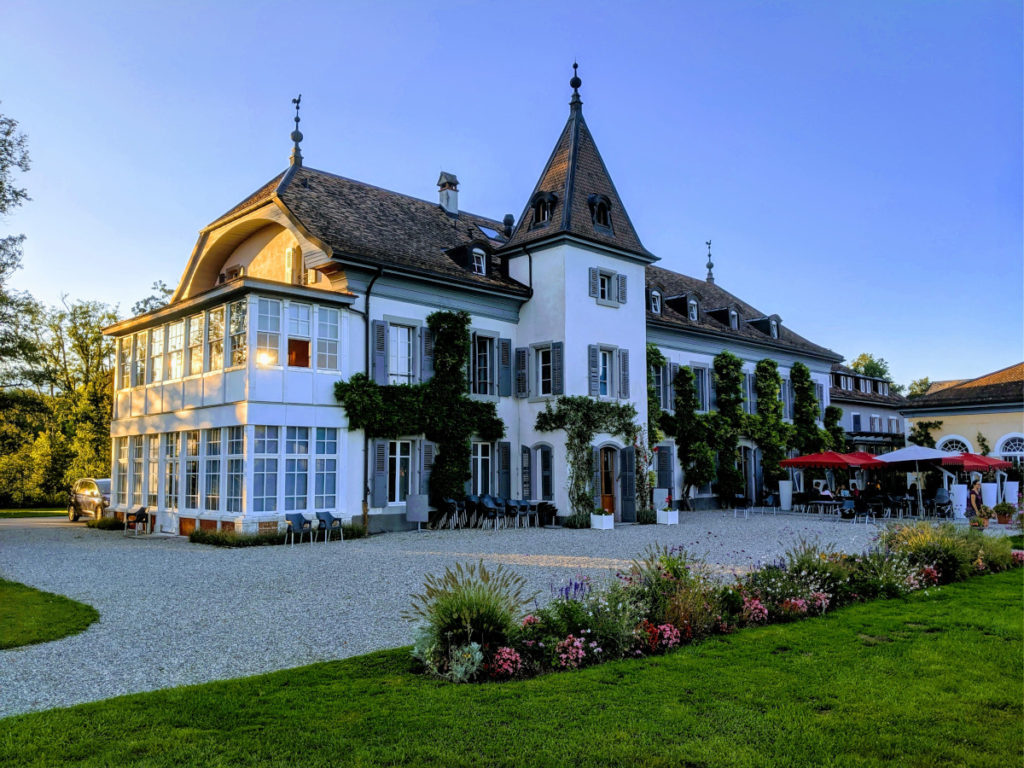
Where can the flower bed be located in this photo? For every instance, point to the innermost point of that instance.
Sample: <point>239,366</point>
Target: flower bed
<point>474,626</point>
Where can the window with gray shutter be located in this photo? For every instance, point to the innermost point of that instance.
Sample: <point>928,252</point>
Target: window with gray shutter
<point>673,371</point>
<point>557,368</point>
<point>526,470</point>
<point>620,288</point>
<point>504,451</point>
<point>426,354</point>
<point>627,484</point>
<point>594,368</point>
<point>596,478</point>
<point>504,367</point>
<point>379,357</point>
<point>522,372</point>
<point>664,466</point>
<point>379,485</point>
<point>426,465</point>
<point>593,274</point>
<point>624,373</point>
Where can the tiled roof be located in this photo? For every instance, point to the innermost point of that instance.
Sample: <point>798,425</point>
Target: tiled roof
<point>260,195</point>
<point>1003,386</point>
<point>574,172</point>
<point>873,398</point>
<point>938,386</point>
<point>713,297</point>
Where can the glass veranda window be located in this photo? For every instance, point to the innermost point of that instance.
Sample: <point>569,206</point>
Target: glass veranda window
<point>399,469</point>
<point>237,317</point>
<point>156,355</point>
<point>268,332</point>
<point>175,349</point>
<point>299,335</point>
<point>195,345</point>
<point>327,335</point>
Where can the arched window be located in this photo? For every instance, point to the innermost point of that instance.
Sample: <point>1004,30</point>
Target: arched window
<point>545,473</point>
<point>953,444</point>
<point>602,217</point>
<point>543,205</point>
<point>479,263</point>
<point>734,319</point>
<point>656,302</point>
<point>600,211</point>
<point>691,310</point>
<point>775,329</point>
<point>1012,449</point>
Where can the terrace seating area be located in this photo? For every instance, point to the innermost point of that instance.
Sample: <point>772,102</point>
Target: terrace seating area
<point>487,511</point>
<point>871,508</point>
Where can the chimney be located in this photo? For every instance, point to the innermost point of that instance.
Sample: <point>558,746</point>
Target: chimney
<point>448,188</point>
<point>508,221</point>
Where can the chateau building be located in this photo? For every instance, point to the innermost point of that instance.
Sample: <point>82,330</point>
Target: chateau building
<point>224,410</point>
<point>871,411</point>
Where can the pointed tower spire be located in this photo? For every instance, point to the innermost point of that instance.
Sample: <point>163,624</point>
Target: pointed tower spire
<point>296,158</point>
<point>711,265</point>
<point>576,103</point>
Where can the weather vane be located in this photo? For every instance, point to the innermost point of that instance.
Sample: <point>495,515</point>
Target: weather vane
<point>296,158</point>
<point>711,276</point>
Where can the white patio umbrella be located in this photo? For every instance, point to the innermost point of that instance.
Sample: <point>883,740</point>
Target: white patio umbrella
<point>915,456</point>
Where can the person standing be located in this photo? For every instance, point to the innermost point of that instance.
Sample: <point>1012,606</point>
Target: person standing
<point>974,500</point>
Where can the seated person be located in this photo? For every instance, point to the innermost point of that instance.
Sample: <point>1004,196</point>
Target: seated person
<point>843,492</point>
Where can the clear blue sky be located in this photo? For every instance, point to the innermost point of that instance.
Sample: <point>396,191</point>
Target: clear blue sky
<point>857,164</point>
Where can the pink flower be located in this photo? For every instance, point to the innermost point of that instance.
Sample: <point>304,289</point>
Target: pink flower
<point>530,619</point>
<point>930,574</point>
<point>570,652</point>
<point>794,605</point>
<point>820,601</point>
<point>506,663</point>
<point>754,610</point>
<point>1018,557</point>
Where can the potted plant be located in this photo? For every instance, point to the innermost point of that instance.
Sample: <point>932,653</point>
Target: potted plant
<point>981,519</point>
<point>602,519</point>
<point>1003,512</point>
<point>668,516</point>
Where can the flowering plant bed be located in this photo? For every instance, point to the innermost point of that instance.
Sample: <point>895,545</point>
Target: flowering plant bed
<point>668,598</point>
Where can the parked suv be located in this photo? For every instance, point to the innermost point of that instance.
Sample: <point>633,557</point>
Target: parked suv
<point>89,497</point>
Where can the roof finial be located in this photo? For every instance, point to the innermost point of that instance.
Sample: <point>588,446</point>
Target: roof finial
<point>296,158</point>
<point>576,102</point>
<point>711,266</point>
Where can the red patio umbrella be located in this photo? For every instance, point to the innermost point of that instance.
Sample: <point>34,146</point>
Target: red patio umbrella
<point>973,462</point>
<point>826,460</point>
<point>864,460</point>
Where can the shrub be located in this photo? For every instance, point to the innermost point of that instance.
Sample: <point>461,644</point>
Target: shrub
<point>944,547</point>
<point>233,539</point>
<point>693,608</point>
<point>778,588</point>
<point>466,606</point>
<point>885,574</point>
<point>654,577</point>
<point>646,517</point>
<point>996,553</point>
<point>577,520</point>
<point>106,524</point>
<point>822,569</point>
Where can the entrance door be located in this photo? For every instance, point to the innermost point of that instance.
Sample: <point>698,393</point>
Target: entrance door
<point>608,479</point>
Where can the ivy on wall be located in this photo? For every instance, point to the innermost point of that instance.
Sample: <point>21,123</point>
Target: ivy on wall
<point>766,427</point>
<point>728,424</point>
<point>808,437</point>
<point>581,418</point>
<point>690,430</point>
<point>833,415</point>
<point>440,408</point>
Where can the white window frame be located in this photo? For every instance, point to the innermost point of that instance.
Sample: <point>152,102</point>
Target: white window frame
<point>266,468</point>
<point>325,487</point>
<point>606,372</point>
<point>401,353</point>
<point>234,486</point>
<point>268,333</point>
<point>141,356</point>
<point>212,469</point>
<point>399,458</point>
<point>175,356</point>
<point>482,468</point>
<point>296,469</point>
<point>153,471</point>
<point>215,338</point>
<point>155,369</point>
<point>656,302</point>
<point>300,329</point>
<point>479,261</point>
<point>238,334</point>
<point>539,354</point>
<point>192,469</point>
<point>485,362</point>
<point>691,310</point>
<point>172,470</point>
<point>194,345</point>
<point>328,338</point>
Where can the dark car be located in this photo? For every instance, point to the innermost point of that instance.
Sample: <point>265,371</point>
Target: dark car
<point>89,498</point>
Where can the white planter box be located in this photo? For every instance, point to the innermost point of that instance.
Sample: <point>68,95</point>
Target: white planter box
<point>602,522</point>
<point>668,517</point>
<point>959,495</point>
<point>660,498</point>
<point>1010,490</point>
<point>785,495</point>
<point>989,494</point>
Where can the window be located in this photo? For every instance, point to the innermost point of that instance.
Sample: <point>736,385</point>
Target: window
<point>545,466</point>
<point>876,423</point>
<point>656,302</point>
<point>400,360</point>
<point>786,396</point>
<point>124,362</point>
<point>700,382</point>
<point>482,364</point>
<point>192,469</point>
<point>268,332</point>
<point>175,349</point>
<point>211,487</point>
<point>734,319</point>
<point>691,310</point>
<point>1012,450</point>
<point>604,386</point>
<point>602,216</point>
<point>139,368</point>
<point>172,453</point>
<point>264,481</point>
<point>819,395</point>
<point>479,261</point>
<point>299,335</point>
<point>236,468</point>
<point>855,423</point>
<point>774,329</point>
<point>121,447</point>
<point>327,334</point>
<point>543,205</point>
<point>894,425</point>
<point>544,371</point>
<point>846,382</point>
<point>609,288</point>
<point>325,488</point>
<point>137,465</point>
<point>195,345</point>
<point>399,468</point>
<point>954,445</point>
<point>156,355</point>
<point>238,329</point>
<point>604,287</point>
<point>865,385</point>
<point>481,468</point>
<point>153,471</point>
<point>296,467</point>
<point>215,339</point>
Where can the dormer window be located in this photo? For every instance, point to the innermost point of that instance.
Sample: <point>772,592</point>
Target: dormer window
<point>478,262</point>
<point>774,326</point>
<point>601,212</point>
<point>543,205</point>
<point>734,319</point>
<point>656,302</point>
<point>691,310</point>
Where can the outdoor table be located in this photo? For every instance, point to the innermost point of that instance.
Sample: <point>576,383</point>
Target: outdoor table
<point>825,506</point>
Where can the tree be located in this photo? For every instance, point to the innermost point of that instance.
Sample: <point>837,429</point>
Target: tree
<point>161,295</point>
<point>766,427</point>
<point>696,457</point>
<point>833,415</point>
<point>727,424</point>
<point>921,433</point>
<point>808,437</point>
<point>918,387</point>
<point>876,367</point>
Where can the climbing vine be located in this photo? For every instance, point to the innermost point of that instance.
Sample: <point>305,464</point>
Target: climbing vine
<point>690,429</point>
<point>766,427</point>
<point>440,408</point>
<point>808,437</point>
<point>833,415</point>
<point>727,425</point>
<point>581,418</point>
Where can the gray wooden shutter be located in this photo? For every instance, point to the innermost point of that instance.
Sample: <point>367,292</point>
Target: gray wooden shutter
<point>593,282</point>
<point>596,479</point>
<point>664,466</point>
<point>594,366</point>
<point>545,459</point>
<point>620,288</point>
<point>504,367</point>
<point>624,373</point>
<point>504,469</point>
<point>379,356</point>
<point>673,371</point>
<point>426,354</point>
<point>557,368</point>
<point>627,483</point>
<point>527,474</point>
<point>379,486</point>
<point>427,451</point>
<point>522,372</point>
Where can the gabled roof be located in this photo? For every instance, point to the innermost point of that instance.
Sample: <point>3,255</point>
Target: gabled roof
<point>574,173</point>
<point>1003,386</point>
<point>714,296</point>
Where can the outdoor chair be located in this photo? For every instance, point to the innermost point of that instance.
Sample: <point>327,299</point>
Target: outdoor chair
<point>472,510</point>
<point>522,511</point>
<point>138,518</point>
<point>942,505</point>
<point>848,510</point>
<point>489,509</point>
<point>297,523</point>
<point>771,501</point>
<point>454,512</point>
<point>547,513</point>
<point>328,522</point>
<point>511,510</point>
<point>742,503</point>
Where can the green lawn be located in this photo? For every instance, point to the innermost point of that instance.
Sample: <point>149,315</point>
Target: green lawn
<point>29,616</point>
<point>933,680</point>
<point>32,512</point>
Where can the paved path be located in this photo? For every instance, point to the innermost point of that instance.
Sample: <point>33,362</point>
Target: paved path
<point>174,613</point>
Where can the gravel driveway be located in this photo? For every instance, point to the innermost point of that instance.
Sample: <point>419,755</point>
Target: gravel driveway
<point>174,613</point>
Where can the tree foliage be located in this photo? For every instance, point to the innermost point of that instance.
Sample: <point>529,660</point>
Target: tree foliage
<point>869,365</point>
<point>833,415</point>
<point>766,426</point>
<point>918,387</point>
<point>158,298</point>
<point>690,430</point>
<point>727,425</point>
<point>921,433</point>
<point>808,437</point>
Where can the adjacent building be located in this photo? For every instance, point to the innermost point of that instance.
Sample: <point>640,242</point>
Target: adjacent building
<point>871,411</point>
<point>224,411</point>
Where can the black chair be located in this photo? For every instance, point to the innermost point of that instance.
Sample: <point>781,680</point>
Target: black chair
<point>138,518</point>
<point>490,510</point>
<point>942,505</point>
<point>523,511</point>
<point>328,522</point>
<point>454,512</point>
<point>473,510</point>
<point>297,522</point>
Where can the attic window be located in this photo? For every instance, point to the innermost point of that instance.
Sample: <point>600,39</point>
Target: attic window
<point>775,329</point>
<point>656,302</point>
<point>543,205</point>
<point>479,262</point>
<point>601,212</point>
<point>734,319</point>
<point>691,310</point>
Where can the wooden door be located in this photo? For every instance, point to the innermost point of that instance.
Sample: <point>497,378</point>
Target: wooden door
<point>608,479</point>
